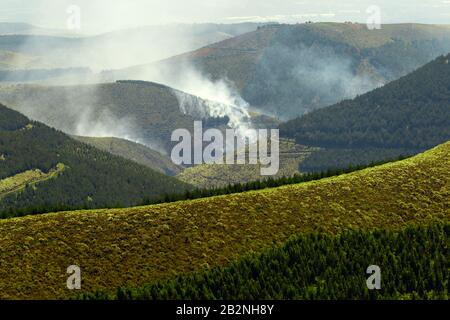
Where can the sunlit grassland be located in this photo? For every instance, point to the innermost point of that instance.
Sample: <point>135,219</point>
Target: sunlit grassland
<point>21,180</point>
<point>129,247</point>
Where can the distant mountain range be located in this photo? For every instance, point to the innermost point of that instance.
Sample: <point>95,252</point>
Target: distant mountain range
<point>289,70</point>
<point>147,112</point>
<point>18,28</point>
<point>116,49</point>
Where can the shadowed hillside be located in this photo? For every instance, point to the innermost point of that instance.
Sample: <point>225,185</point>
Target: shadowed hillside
<point>135,152</point>
<point>403,117</point>
<point>43,168</point>
<point>139,111</point>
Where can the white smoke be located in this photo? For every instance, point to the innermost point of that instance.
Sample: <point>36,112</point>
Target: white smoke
<point>103,126</point>
<point>218,99</point>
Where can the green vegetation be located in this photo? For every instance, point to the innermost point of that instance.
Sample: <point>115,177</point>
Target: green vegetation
<point>91,178</point>
<point>265,183</point>
<point>135,152</point>
<point>411,112</point>
<point>218,176</point>
<point>222,190</point>
<point>28,178</point>
<point>130,247</point>
<point>404,117</point>
<point>334,159</point>
<point>414,265</point>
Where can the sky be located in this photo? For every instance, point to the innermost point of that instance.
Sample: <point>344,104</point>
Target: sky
<point>98,16</point>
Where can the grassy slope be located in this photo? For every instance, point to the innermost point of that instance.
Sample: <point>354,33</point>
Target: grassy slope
<point>414,263</point>
<point>361,37</point>
<point>19,181</point>
<point>207,175</point>
<point>138,245</point>
<point>135,152</point>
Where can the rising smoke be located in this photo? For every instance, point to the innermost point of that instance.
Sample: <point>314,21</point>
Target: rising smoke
<point>120,50</point>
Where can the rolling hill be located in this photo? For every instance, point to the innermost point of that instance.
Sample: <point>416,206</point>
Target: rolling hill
<point>144,112</point>
<point>19,28</point>
<point>294,271</point>
<point>289,70</point>
<point>207,176</point>
<point>130,247</point>
<point>135,152</point>
<point>41,168</point>
<point>404,117</point>
<point>16,61</point>
<point>99,52</point>
<point>139,111</point>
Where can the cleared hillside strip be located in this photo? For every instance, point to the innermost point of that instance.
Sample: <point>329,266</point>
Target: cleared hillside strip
<point>21,180</point>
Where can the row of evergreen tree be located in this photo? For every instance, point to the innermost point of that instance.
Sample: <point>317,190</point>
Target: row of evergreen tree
<point>414,264</point>
<point>45,207</point>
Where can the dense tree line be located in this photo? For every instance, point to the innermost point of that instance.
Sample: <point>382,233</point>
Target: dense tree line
<point>11,120</point>
<point>267,183</point>
<point>91,178</point>
<point>414,265</point>
<point>412,113</point>
<point>334,159</point>
<point>191,194</point>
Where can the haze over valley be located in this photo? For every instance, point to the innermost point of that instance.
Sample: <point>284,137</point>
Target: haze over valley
<point>224,150</point>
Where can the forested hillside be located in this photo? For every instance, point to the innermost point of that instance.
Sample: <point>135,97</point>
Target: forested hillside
<point>134,246</point>
<point>403,117</point>
<point>135,152</point>
<point>139,111</point>
<point>288,70</point>
<point>87,177</point>
<point>414,265</point>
